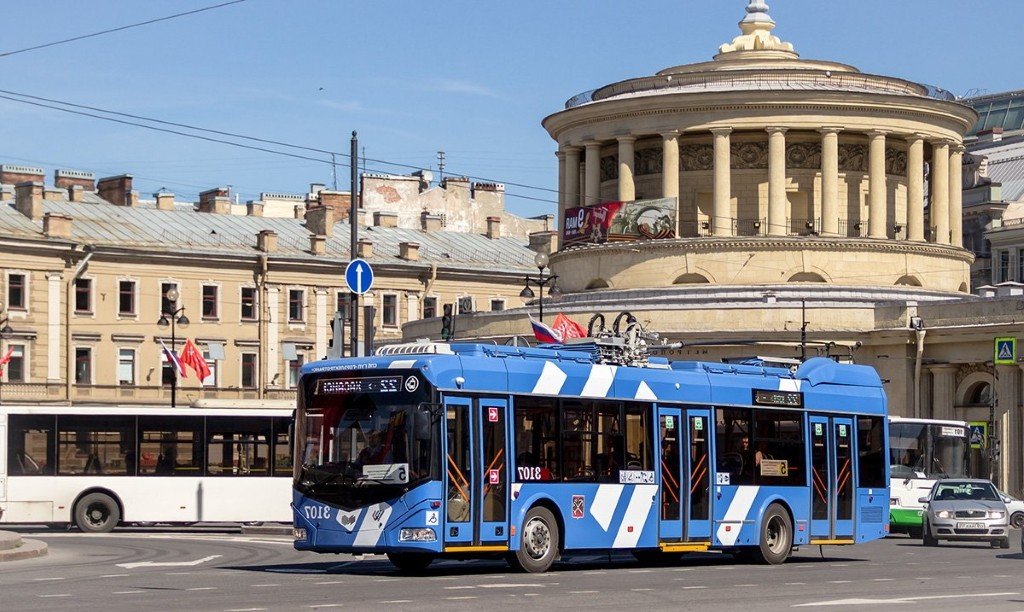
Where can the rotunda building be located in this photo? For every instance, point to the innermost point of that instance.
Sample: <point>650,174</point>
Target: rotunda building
<point>765,168</point>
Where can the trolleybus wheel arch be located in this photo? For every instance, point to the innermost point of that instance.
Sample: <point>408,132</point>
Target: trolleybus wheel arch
<point>97,512</point>
<point>776,538</point>
<point>539,542</point>
<point>410,562</point>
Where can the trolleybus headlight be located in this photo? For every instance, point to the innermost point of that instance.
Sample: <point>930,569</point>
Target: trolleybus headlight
<point>298,534</point>
<point>944,514</point>
<point>996,514</point>
<point>417,534</point>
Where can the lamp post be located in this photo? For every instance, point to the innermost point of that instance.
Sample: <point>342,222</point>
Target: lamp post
<point>541,280</point>
<point>5,332</point>
<point>169,317</point>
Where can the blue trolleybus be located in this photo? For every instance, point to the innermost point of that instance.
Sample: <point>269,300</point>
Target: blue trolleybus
<point>464,450</point>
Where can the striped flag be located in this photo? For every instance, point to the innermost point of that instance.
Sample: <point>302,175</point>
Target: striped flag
<point>544,333</point>
<point>172,358</point>
<point>191,357</point>
<point>6,359</point>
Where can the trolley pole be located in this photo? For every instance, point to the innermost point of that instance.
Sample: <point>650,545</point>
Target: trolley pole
<point>353,222</point>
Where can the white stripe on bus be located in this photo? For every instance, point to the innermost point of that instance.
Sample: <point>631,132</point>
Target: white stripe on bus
<point>643,392</point>
<point>739,508</point>
<point>599,382</point>
<point>605,500</point>
<point>636,516</point>
<point>550,381</point>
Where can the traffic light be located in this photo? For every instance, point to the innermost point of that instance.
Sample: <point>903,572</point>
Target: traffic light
<point>447,323</point>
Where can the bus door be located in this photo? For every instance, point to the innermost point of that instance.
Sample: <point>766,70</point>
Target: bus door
<point>476,475</point>
<point>685,513</point>
<point>831,478</point>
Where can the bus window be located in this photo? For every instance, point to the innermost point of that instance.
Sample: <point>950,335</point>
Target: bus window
<point>96,445</point>
<point>638,456</point>
<point>238,446</point>
<point>735,455</point>
<point>170,446</point>
<point>611,442</point>
<point>536,432</point>
<point>778,443</point>
<point>577,441</point>
<point>871,452</point>
<point>282,450</point>
<point>31,449</point>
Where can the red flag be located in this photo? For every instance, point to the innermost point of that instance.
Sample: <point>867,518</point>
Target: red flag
<point>568,328</point>
<point>191,357</point>
<point>5,359</point>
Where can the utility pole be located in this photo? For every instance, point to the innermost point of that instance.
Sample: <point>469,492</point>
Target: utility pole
<point>803,330</point>
<point>334,173</point>
<point>353,222</point>
<point>440,166</point>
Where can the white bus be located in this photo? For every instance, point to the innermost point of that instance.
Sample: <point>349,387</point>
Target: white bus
<point>97,467</point>
<point>922,451</point>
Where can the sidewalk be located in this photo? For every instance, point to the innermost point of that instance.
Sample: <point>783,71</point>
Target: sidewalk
<point>13,548</point>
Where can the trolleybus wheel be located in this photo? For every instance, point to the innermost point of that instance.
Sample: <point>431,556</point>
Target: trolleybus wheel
<point>97,513</point>
<point>538,544</point>
<point>776,540</point>
<point>411,563</point>
<point>927,538</point>
<point>1017,520</point>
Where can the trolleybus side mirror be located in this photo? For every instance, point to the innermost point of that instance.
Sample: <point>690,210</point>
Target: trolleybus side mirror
<point>423,421</point>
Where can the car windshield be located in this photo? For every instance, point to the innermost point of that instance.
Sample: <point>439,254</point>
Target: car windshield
<point>954,491</point>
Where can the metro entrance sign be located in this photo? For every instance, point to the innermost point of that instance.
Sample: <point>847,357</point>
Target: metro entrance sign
<point>1005,351</point>
<point>359,276</point>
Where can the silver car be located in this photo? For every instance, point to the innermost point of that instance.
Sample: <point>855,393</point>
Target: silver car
<point>965,510</point>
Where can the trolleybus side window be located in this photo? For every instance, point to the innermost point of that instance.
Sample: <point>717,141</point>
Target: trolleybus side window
<point>778,444</point>
<point>735,455</point>
<point>536,437</point>
<point>90,445</point>
<point>460,466</point>
<point>170,446</point>
<point>31,450</point>
<point>638,456</point>
<point>237,446</point>
<point>871,451</point>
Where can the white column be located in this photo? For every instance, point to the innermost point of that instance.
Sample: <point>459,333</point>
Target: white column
<point>915,188</point>
<point>53,328</point>
<point>942,391</point>
<point>322,322</point>
<point>592,186</point>
<point>273,346</point>
<point>627,153</point>
<point>572,179</point>
<point>956,196</point>
<point>670,165</point>
<point>777,203</point>
<point>721,221</point>
<point>876,185</point>
<point>940,191</point>
<point>560,154</point>
<point>1008,410</point>
<point>830,181</point>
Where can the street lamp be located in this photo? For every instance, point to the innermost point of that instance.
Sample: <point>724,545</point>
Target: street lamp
<point>171,318</point>
<point>5,332</point>
<point>541,280</point>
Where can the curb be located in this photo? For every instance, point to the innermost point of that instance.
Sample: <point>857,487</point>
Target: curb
<point>285,530</point>
<point>13,548</point>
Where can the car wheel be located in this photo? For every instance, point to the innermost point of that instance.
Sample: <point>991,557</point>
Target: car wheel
<point>915,532</point>
<point>411,563</point>
<point>776,539</point>
<point>1017,520</point>
<point>1004,543</point>
<point>928,540</point>
<point>538,544</point>
<point>97,513</point>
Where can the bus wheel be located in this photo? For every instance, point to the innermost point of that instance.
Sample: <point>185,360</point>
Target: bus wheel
<point>97,513</point>
<point>776,536</point>
<point>411,563</point>
<point>1017,520</point>
<point>538,546</point>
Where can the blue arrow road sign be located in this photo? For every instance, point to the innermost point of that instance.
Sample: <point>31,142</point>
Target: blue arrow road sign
<point>359,276</point>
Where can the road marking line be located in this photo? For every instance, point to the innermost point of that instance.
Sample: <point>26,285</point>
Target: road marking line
<point>463,597</point>
<point>168,563</point>
<point>641,589</point>
<point>896,600</point>
<point>113,576</point>
<point>744,585</point>
<point>244,609</point>
<point>201,589</point>
<point>509,586</point>
<point>840,581</point>
<point>695,587</point>
<point>46,579</point>
<point>325,606</point>
<point>583,592</point>
<point>265,585</point>
<point>127,592</point>
<point>639,571</point>
<point>458,588</point>
<point>57,595</point>
<point>332,582</point>
<point>795,583</point>
<point>397,601</point>
<point>893,579</point>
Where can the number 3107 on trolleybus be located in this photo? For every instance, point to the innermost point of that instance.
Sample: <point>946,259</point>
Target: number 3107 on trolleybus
<point>462,451</point>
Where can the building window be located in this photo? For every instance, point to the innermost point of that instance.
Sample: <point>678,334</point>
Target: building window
<point>166,305</point>
<point>14,371</point>
<point>126,366</point>
<point>1020,265</point>
<point>17,298</point>
<point>389,316</point>
<point>126,297</point>
<point>209,301</point>
<point>83,295</point>
<point>293,370</point>
<point>83,366</point>
<point>497,305</point>
<point>249,372</point>
<point>296,305</point>
<point>248,304</point>
<point>429,307</point>
<point>1004,266</point>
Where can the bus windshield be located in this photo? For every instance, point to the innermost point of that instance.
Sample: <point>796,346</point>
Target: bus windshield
<point>363,432</point>
<point>927,450</point>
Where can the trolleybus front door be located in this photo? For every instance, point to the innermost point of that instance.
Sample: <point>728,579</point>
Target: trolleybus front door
<point>672,434</point>
<point>698,462</point>
<point>476,475</point>
<point>831,479</point>
<point>685,513</point>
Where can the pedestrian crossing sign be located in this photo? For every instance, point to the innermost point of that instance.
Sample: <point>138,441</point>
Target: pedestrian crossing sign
<point>1006,351</point>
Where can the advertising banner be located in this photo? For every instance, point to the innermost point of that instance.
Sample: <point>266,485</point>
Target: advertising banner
<point>618,221</point>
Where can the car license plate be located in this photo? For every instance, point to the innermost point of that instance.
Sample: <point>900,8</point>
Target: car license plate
<point>970,525</point>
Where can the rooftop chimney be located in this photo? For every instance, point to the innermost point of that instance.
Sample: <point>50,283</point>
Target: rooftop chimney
<point>65,179</point>
<point>383,218</point>
<point>12,174</point>
<point>56,225</point>
<point>254,208</point>
<point>215,201</point>
<point>337,201</point>
<point>493,227</point>
<point>76,193</point>
<point>993,135</point>
<point>320,220</point>
<point>409,251</point>
<point>164,200</point>
<point>266,241</point>
<point>364,249</point>
<point>116,189</point>
<point>55,194</point>
<point>28,199</point>
<point>317,244</point>
<point>430,223</point>
<point>544,242</point>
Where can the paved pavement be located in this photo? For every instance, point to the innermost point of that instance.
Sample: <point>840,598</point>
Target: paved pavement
<point>204,570</point>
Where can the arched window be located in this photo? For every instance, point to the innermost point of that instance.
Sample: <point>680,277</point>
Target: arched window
<point>806,277</point>
<point>908,281</point>
<point>691,279</point>
<point>980,395</point>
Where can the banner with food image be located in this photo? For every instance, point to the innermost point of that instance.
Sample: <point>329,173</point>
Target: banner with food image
<point>618,221</point>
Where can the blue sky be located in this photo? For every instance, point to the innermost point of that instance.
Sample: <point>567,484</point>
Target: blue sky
<point>473,78</point>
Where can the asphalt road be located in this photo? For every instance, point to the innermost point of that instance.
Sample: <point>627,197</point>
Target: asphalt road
<point>203,570</point>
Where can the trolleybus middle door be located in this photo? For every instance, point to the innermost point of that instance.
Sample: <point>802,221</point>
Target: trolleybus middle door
<point>698,482</point>
<point>492,509</point>
<point>672,436</point>
<point>832,479</point>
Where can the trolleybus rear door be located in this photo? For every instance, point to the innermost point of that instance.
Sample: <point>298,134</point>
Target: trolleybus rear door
<point>672,433</point>
<point>832,479</point>
<point>822,479</point>
<point>698,481</point>
<point>492,508</point>
<point>843,453</point>
<point>459,475</point>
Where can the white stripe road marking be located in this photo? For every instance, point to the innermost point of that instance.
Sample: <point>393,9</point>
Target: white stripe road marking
<point>550,381</point>
<point>46,579</point>
<point>736,514</point>
<point>636,516</point>
<point>605,500</point>
<point>201,589</point>
<point>113,576</point>
<point>643,392</point>
<point>462,597</point>
<point>599,382</point>
<point>57,595</point>
<point>167,564</point>
<point>127,592</point>
<point>896,600</point>
<point>314,606</point>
